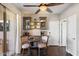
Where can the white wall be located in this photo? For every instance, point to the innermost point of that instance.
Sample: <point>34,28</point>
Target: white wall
<point>74,9</point>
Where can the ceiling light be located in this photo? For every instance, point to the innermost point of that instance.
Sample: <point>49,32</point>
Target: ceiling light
<point>43,8</point>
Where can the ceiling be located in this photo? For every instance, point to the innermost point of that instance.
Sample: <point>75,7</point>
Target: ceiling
<point>31,10</point>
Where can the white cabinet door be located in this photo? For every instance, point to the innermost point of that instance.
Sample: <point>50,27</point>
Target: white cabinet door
<point>71,41</point>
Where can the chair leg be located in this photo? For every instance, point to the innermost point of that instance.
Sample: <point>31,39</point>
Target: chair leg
<point>22,51</point>
<point>38,51</point>
<point>28,51</point>
<point>47,51</point>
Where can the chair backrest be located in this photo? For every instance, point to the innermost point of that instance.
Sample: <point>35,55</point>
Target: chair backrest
<point>24,39</point>
<point>45,39</point>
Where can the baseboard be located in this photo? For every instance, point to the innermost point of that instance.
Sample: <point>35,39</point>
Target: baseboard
<point>53,45</point>
<point>68,54</point>
<point>1,54</point>
<point>15,54</point>
<point>57,45</point>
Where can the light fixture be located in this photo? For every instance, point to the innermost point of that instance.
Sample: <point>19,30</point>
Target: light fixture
<point>43,8</point>
<point>32,23</point>
<point>38,23</point>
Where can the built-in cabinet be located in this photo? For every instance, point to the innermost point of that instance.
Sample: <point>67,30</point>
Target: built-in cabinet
<point>30,24</point>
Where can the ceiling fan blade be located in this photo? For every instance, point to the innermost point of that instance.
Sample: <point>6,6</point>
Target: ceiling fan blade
<point>54,4</point>
<point>37,11</point>
<point>49,10</point>
<point>30,5</point>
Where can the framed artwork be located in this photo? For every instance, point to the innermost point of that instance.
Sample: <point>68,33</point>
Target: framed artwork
<point>7,25</point>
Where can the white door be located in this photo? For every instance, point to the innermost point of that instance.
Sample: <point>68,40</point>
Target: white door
<point>63,32</point>
<point>54,32</point>
<point>71,41</point>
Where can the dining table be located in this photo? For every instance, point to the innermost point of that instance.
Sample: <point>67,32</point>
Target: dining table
<point>34,40</point>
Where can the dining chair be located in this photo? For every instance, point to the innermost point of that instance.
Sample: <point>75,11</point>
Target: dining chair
<point>25,45</point>
<point>43,44</point>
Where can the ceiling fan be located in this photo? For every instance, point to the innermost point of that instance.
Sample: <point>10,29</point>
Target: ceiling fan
<point>44,7</point>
